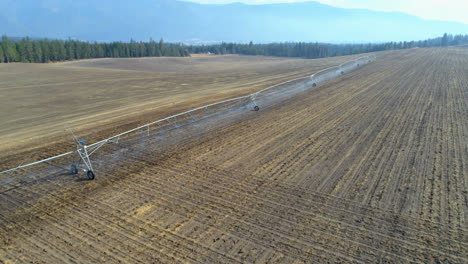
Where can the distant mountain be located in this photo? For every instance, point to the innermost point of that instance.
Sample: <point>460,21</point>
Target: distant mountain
<point>109,20</point>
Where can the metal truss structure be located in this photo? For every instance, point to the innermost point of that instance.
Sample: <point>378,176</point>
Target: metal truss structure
<point>84,151</point>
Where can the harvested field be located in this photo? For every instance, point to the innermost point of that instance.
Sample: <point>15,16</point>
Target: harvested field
<point>38,101</point>
<point>371,167</point>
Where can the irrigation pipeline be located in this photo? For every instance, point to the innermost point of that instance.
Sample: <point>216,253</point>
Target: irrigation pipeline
<point>311,81</point>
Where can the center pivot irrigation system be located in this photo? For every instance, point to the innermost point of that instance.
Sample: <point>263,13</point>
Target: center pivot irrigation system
<point>84,152</point>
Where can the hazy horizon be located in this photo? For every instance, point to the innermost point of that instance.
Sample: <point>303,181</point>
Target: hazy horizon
<point>190,22</point>
<point>448,10</point>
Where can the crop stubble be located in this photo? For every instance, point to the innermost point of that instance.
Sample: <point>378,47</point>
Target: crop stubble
<point>38,101</point>
<point>370,167</point>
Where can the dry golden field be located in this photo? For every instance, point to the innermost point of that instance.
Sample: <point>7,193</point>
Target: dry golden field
<point>371,167</point>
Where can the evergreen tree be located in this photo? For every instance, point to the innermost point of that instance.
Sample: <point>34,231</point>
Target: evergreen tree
<point>161,47</point>
<point>86,49</point>
<point>133,48</point>
<point>37,51</point>
<point>69,50</point>
<point>28,49</point>
<point>13,52</point>
<point>61,52</point>
<point>20,51</point>
<point>2,56</point>
<point>19,46</point>
<point>76,50</point>
<point>116,52</point>
<point>5,44</point>
<point>142,50</point>
<point>444,41</point>
<point>45,51</point>
<point>157,51</point>
<point>53,50</point>
<point>151,48</point>
<point>99,51</point>
<point>127,51</point>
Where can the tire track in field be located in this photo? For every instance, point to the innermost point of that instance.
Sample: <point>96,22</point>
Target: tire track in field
<point>371,167</point>
<point>118,231</point>
<point>270,191</point>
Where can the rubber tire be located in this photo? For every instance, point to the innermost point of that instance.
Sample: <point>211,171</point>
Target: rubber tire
<point>91,175</point>
<point>74,170</point>
<point>256,108</point>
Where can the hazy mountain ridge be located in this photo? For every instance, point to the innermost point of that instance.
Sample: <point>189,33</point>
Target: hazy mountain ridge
<point>110,20</point>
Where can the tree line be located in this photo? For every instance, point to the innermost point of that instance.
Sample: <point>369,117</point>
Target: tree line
<point>44,50</point>
<point>321,50</point>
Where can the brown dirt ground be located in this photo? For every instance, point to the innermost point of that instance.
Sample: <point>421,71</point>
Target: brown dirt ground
<point>368,168</point>
<point>39,101</point>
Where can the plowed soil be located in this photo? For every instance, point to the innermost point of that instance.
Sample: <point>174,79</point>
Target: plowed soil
<point>371,167</point>
<point>39,102</point>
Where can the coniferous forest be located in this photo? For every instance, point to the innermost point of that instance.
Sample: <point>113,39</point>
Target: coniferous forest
<point>45,50</point>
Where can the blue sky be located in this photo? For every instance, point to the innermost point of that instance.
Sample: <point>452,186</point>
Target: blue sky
<point>446,10</point>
